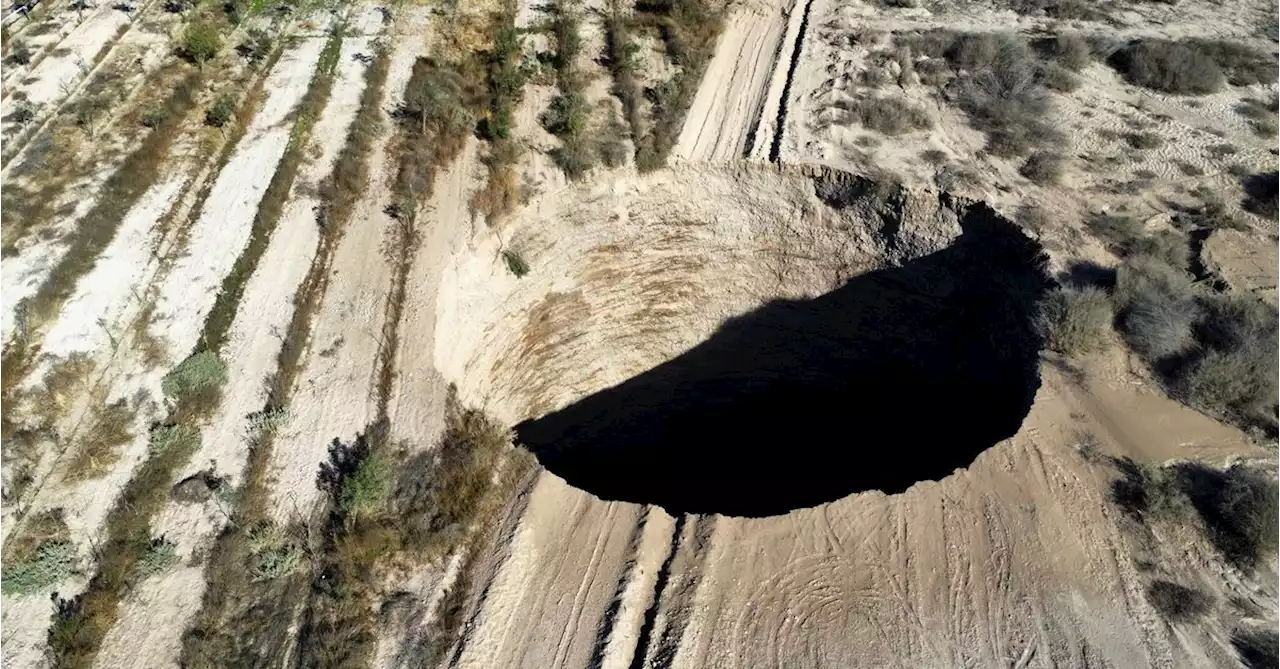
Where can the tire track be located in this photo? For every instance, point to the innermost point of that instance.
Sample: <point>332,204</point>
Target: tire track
<point>775,149</point>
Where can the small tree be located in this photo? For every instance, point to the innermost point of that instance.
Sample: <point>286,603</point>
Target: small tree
<point>201,43</point>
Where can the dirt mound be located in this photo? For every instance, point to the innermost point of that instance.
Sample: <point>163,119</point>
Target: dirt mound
<point>796,394</point>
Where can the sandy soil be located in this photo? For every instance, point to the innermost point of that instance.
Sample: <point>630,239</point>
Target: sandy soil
<point>154,618</point>
<point>334,395</point>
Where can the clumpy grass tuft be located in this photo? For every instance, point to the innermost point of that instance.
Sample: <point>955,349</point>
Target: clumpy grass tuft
<point>51,563</point>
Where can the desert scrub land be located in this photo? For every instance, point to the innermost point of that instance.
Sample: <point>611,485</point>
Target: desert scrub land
<point>497,334</point>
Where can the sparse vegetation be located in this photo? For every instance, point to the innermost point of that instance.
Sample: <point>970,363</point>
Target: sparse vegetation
<point>1144,140</point>
<point>1178,603</point>
<point>1070,51</point>
<point>1000,84</point>
<point>164,437</point>
<point>1075,321</point>
<point>20,53</point>
<point>423,517</point>
<point>194,377</point>
<point>569,114</point>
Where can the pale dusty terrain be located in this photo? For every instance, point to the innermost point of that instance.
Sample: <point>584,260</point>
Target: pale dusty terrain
<point>1017,558</point>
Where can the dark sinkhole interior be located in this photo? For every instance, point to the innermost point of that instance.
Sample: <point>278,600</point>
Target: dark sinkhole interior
<point>898,376</point>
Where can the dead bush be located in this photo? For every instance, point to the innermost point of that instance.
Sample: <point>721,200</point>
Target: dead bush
<point>1170,67</point>
<point>1242,65</point>
<point>1060,79</point>
<point>1075,321</point>
<point>1178,603</point>
<point>1239,508</point>
<point>1168,246</point>
<point>1043,168</point>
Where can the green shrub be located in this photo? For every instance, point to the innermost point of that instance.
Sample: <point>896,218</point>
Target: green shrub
<point>160,556</point>
<point>50,564</point>
<point>273,553</point>
<point>201,42</point>
<point>1075,321</point>
<point>154,116</point>
<point>198,374</point>
<point>164,437</point>
<point>1236,375</point>
<point>1170,67</point>
<point>365,490</point>
<point>1178,603</point>
<point>222,111</point>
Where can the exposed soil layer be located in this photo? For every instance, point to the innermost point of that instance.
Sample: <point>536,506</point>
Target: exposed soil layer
<point>814,399</point>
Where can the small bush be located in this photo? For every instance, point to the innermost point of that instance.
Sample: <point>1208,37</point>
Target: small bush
<point>196,375</point>
<point>1258,649</point>
<point>1157,307</point>
<point>99,448</point>
<point>1060,79</point>
<point>273,552</point>
<point>1043,168</point>
<point>23,112</point>
<point>1237,374</point>
<point>365,490</point>
<point>1116,231</point>
<point>256,45</point>
<point>515,263</point>
<point>153,117</point>
<point>1071,51</point>
<point>891,116</point>
<point>51,563</point>
<point>1168,246</point>
<point>20,53</point>
<point>160,557</point>
<point>201,42</point>
<point>1002,91</point>
<point>222,111</point>
<point>1075,321</point>
<point>1178,603</point>
<point>1170,67</point>
<point>1242,65</point>
<point>1144,140</point>
<point>164,437</point>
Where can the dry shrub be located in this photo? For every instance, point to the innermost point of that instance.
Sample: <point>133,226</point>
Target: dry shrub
<point>1168,246</point>
<point>1178,603</point>
<point>1235,374</point>
<point>1157,308</point>
<point>1060,79</point>
<point>1170,67</point>
<point>1002,90</point>
<point>1118,232</point>
<point>891,116</point>
<point>1070,51</point>
<point>1075,321</point>
<point>99,449</point>
<point>1239,508</point>
<point>1043,168</point>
